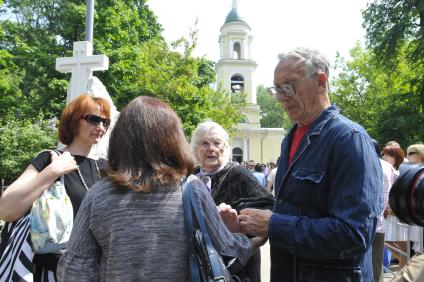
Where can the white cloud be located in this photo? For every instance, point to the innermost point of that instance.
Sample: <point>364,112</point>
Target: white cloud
<point>277,26</point>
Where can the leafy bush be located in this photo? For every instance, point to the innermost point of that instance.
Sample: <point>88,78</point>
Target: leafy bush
<point>20,141</point>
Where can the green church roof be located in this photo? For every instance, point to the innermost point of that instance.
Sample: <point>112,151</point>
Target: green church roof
<point>233,16</point>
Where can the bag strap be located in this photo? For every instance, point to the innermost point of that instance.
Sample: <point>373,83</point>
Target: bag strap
<point>189,227</point>
<point>62,177</point>
<point>212,254</point>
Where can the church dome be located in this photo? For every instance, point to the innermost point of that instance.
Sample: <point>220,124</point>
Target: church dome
<point>233,16</point>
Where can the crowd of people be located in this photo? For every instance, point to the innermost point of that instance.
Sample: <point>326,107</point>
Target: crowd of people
<point>326,215</point>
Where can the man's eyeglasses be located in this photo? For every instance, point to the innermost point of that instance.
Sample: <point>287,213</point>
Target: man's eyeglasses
<point>288,90</point>
<point>96,120</point>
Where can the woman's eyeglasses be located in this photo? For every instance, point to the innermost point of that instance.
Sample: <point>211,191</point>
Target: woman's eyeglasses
<point>96,120</point>
<point>205,144</point>
<point>411,153</point>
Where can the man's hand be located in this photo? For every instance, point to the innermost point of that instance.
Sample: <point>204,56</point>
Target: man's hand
<point>255,221</point>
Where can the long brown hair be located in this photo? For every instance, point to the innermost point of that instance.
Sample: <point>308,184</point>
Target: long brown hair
<point>148,146</point>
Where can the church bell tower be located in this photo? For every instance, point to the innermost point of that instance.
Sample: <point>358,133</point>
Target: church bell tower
<point>236,67</point>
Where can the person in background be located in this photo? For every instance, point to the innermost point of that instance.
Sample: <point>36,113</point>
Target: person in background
<point>130,226</point>
<point>259,175</point>
<point>389,176</point>
<point>251,165</point>
<point>271,177</point>
<point>226,181</point>
<point>394,144</point>
<point>82,124</point>
<point>397,233</point>
<point>415,153</point>
<point>328,183</point>
<point>265,169</point>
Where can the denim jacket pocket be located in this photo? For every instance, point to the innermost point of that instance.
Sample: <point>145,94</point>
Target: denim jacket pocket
<point>309,174</point>
<point>319,273</point>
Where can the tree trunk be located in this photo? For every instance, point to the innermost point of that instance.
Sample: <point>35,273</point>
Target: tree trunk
<point>420,8</point>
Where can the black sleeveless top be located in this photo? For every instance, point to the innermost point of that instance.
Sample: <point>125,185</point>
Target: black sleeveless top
<point>73,184</point>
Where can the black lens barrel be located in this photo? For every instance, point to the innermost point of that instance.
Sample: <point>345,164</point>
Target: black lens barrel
<point>406,198</point>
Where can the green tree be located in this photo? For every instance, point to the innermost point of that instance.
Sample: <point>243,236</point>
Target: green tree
<point>272,113</point>
<point>382,101</point>
<point>20,141</point>
<point>393,26</point>
<point>178,78</point>
<point>42,30</point>
<point>140,61</point>
<point>10,77</point>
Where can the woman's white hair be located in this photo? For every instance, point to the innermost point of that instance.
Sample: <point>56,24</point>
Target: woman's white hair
<point>202,130</point>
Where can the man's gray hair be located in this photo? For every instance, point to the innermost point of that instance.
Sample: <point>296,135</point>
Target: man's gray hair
<point>202,130</point>
<point>312,60</point>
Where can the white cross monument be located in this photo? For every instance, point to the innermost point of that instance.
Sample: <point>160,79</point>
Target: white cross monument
<point>81,65</point>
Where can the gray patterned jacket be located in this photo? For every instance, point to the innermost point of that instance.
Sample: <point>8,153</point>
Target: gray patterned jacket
<point>122,235</point>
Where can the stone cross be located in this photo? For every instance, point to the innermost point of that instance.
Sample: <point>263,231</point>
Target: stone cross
<point>81,65</point>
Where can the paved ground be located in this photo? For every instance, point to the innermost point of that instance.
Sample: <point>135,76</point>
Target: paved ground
<point>388,276</point>
<point>265,266</point>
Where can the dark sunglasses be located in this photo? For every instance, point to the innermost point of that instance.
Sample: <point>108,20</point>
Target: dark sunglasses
<point>96,120</point>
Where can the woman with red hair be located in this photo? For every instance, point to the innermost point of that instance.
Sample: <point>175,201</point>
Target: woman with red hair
<point>82,124</point>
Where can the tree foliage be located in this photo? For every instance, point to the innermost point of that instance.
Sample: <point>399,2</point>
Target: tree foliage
<point>272,113</point>
<point>393,26</point>
<point>20,141</point>
<point>33,33</point>
<point>39,31</point>
<point>382,101</point>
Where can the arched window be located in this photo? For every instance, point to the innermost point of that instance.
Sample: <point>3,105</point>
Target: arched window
<point>237,51</point>
<point>237,155</point>
<point>237,83</point>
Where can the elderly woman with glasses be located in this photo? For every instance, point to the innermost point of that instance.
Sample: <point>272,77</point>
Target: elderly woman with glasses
<point>227,181</point>
<point>82,124</point>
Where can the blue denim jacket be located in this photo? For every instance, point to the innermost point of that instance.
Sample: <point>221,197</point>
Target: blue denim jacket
<point>327,204</point>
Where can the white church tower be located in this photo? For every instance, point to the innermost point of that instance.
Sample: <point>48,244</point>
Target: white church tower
<point>235,73</point>
<point>236,67</point>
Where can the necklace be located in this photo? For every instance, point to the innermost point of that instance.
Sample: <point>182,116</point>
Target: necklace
<point>82,179</point>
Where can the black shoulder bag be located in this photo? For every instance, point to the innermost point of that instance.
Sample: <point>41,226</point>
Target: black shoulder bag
<point>204,261</point>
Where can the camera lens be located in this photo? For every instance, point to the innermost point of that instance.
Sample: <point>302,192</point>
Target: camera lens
<point>406,198</point>
<point>418,203</point>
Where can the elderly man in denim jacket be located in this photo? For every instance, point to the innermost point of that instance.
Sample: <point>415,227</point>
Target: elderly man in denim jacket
<point>328,183</point>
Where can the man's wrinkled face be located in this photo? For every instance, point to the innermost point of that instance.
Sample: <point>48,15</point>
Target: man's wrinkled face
<point>303,103</point>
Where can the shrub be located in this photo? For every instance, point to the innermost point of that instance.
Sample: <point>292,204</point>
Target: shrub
<point>20,141</point>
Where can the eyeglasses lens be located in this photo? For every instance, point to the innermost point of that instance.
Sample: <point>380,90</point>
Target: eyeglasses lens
<point>284,89</point>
